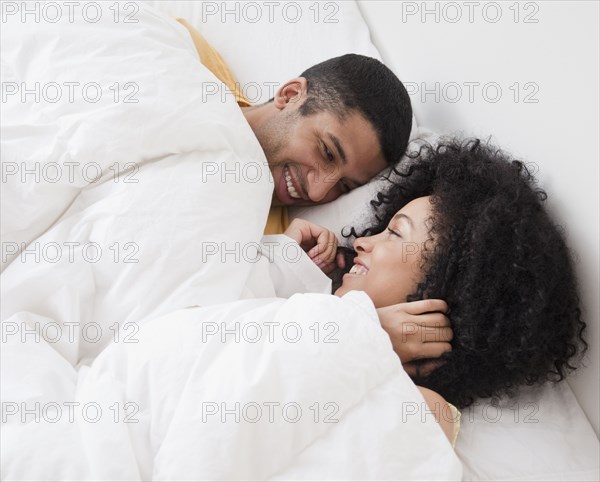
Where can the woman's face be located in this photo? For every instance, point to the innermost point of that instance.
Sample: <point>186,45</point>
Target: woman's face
<point>388,265</point>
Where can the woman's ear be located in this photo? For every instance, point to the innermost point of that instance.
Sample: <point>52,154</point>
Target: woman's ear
<point>292,93</point>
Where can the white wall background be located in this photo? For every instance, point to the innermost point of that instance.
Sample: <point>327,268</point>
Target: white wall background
<point>550,118</point>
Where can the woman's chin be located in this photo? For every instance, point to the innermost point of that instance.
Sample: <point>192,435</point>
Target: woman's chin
<point>341,291</point>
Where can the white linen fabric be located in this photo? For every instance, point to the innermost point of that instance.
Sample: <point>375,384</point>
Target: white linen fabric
<point>183,181</point>
<point>302,389</point>
<point>281,269</point>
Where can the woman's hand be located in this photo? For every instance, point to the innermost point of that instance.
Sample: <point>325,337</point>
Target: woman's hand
<point>418,330</point>
<point>318,242</point>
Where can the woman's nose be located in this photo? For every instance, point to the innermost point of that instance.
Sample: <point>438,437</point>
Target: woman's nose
<point>363,244</point>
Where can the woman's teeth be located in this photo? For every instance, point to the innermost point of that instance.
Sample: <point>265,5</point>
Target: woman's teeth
<point>290,187</point>
<point>358,269</point>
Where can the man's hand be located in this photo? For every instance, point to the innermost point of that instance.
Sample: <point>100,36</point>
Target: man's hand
<point>419,330</point>
<point>318,242</point>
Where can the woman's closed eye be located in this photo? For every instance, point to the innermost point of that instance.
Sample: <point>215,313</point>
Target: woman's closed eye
<point>394,233</point>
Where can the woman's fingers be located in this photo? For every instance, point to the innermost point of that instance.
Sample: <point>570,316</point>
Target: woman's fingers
<point>433,350</point>
<point>426,334</point>
<point>425,306</point>
<point>432,319</point>
<point>421,368</point>
<point>441,334</point>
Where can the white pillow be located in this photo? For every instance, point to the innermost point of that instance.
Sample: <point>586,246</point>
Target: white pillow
<point>288,37</point>
<point>541,435</point>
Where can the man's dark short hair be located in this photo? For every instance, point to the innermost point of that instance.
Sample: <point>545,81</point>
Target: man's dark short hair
<point>356,83</point>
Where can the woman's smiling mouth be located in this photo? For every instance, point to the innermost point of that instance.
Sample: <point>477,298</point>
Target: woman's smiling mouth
<point>358,269</point>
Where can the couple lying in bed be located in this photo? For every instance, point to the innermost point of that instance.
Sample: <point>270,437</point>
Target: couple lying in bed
<point>471,278</point>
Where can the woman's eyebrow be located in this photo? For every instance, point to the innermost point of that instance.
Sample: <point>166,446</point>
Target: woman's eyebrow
<point>399,216</point>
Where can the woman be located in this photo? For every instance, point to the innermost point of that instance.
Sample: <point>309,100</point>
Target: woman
<point>465,224</point>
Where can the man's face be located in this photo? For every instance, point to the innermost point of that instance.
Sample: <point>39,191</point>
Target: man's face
<point>317,158</point>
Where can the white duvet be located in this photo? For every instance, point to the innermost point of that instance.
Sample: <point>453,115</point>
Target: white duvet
<point>112,287</point>
<point>271,389</point>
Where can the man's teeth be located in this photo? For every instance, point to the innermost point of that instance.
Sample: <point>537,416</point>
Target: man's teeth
<point>290,186</point>
<point>358,269</point>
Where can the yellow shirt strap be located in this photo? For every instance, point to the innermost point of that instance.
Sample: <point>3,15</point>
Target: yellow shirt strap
<point>211,59</point>
<point>456,419</point>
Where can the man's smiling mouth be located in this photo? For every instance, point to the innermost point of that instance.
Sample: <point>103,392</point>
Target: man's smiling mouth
<point>290,185</point>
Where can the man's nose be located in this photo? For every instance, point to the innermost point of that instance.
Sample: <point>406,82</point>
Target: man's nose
<point>321,188</point>
<point>317,190</point>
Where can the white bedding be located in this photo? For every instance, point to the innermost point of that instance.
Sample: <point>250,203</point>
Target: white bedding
<point>127,230</point>
<point>51,357</point>
<point>342,406</point>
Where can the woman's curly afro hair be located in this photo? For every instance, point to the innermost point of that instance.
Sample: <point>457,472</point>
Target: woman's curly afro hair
<point>499,262</point>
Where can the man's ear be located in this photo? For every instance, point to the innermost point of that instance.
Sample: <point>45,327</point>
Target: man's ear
<point>293,92</point>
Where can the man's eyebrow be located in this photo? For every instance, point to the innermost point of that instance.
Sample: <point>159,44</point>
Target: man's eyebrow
<point>338,147</point>
<point>401,215</point>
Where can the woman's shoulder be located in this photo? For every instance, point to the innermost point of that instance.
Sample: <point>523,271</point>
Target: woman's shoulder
<point>446,414</point>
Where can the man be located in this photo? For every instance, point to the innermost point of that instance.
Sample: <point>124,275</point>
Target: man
<point>325,132</point>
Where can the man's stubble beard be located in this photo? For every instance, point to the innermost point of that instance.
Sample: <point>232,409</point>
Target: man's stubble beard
<point>272,136</point>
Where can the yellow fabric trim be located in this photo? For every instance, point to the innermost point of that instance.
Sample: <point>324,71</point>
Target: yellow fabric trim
<point>456,419</point>
<point>211,59</point>
<point>277,221</point>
